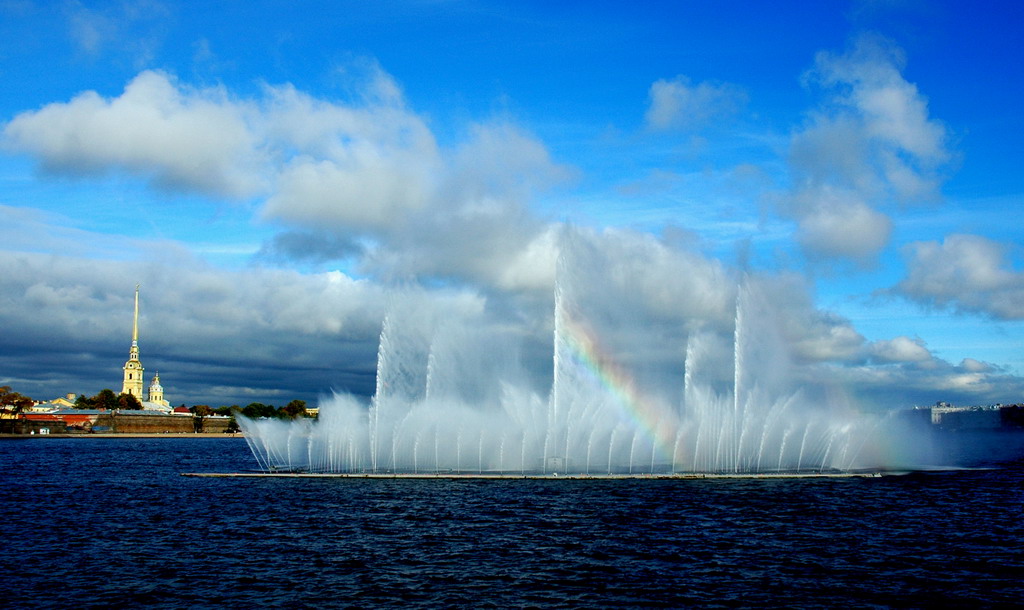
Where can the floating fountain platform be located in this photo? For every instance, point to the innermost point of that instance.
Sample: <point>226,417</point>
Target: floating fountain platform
<point>520,476</point>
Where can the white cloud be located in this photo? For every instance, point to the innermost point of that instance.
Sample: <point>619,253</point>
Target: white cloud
<point>501,159</point>
<point>185,139</point>
<point>893,111</point>
<point>369,167</point>
<point>476,225</point>
<point>900,349</point>
<point>824,338</point>
<point>533,267</point>
<point>968,273</point>
<point>839,226</point>
<point>870,145</point>
<point>364,191</point>
<point>359,166</point>
<point>678,104</point>
<point>976,366</point>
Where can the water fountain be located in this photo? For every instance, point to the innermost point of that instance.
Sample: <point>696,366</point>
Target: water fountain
<point>452,397</point>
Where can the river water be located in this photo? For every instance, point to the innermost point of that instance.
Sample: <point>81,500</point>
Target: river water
<point>102,522</point>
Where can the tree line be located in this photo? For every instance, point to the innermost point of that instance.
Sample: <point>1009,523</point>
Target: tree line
<point>106,399</point>
<point>13,402</point>
<point>256,410</point>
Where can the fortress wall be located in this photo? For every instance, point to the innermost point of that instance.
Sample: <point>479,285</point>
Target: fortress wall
<point>157,424</point>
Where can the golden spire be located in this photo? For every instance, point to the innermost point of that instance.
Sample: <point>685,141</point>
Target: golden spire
<point>135,321</point>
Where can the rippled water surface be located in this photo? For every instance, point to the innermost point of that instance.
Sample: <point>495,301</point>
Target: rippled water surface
<point>99,522</point>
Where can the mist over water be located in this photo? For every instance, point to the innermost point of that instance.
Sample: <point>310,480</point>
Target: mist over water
<point>629,393</point>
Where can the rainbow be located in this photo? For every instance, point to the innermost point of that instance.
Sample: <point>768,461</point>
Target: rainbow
<point>654,421</point>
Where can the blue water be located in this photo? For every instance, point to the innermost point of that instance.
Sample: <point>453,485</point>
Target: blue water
<point>101,522</point>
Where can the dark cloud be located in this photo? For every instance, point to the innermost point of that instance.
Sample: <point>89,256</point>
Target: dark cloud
<point>235,335</point>
<point>306,246</point>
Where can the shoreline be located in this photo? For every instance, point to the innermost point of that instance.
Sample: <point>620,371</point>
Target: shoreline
<point>126,435</point>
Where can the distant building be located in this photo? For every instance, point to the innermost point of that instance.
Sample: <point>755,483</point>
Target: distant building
<point>64,402</point>
<point>950,417</point>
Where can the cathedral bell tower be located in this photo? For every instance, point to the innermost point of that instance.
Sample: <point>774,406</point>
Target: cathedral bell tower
<point>133,368</point>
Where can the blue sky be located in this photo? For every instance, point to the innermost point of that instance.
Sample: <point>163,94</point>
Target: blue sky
<point>273,173</point>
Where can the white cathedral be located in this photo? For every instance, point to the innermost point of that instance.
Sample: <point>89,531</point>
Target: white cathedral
<point>133,371</point>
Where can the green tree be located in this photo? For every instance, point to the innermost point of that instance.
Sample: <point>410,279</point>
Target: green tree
<point>199,415</point>
<point>232,411</point>
<point>11,399</point>
<point>13,402</point>
<point>106,399</point>
<point>255,410</point>
<point>128,402</point>
<point>296,408</point>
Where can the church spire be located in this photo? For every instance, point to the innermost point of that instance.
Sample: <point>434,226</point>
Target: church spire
<point>135,320</point>
<point>133,368</point>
